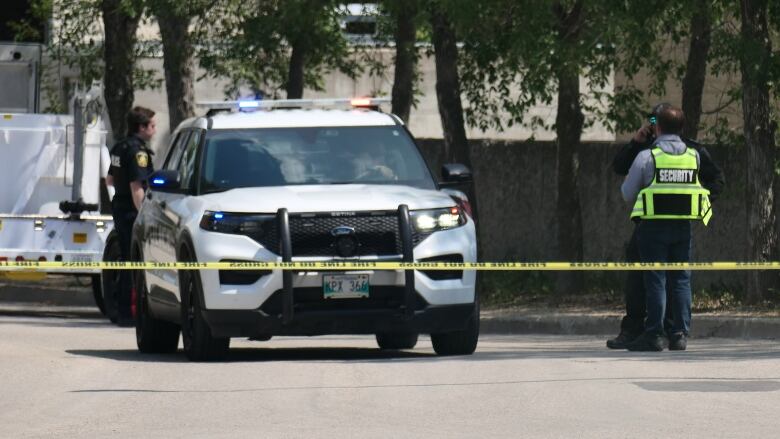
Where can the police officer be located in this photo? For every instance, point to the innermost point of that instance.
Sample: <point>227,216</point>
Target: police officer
<point>664,188</point>
<point>131,165</point>
<point>712,178</point>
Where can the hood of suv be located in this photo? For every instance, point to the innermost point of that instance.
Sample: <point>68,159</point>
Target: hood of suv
<point>328,198</point>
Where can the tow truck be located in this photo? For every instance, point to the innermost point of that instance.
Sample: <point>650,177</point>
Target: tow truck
<point>52,206</point>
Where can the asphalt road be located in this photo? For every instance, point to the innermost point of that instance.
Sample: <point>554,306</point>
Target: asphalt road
<point>81,377</point>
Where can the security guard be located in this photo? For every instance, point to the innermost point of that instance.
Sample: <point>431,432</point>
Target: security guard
<point>131,165</point>
<point>663,186</point>
<point>711,177</point>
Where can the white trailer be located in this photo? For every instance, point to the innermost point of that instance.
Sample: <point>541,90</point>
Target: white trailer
<point>51,167</point>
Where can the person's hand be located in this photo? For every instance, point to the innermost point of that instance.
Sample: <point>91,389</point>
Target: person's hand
<point>644,133</point>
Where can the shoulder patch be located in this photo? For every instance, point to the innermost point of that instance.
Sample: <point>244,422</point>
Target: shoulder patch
<point>142,159</point>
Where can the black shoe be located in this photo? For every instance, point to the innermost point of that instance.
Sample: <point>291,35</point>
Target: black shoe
<point>647,342</point>
<point>621,340</point>
<point>678,341</point>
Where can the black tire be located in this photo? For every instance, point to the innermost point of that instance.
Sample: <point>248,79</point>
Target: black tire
<point>153,336</point>
<point>396,340</point>
<point>199,344</point>
<point>110,278</point>
<point>97,292</point>
<point>459,342</point>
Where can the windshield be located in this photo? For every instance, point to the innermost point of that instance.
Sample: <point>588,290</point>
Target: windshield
<point>325,155</point>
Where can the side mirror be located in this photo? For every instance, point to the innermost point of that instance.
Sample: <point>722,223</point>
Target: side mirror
<point>454,173</point>
<point>165,179</point>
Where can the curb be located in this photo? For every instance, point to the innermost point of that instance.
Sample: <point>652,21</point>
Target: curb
<point>42,310</point>
<point>496,322</point>
<point>505,323</point>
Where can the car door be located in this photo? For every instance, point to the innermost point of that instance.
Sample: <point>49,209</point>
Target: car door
<point>173,208</point>
<point>157,228</point>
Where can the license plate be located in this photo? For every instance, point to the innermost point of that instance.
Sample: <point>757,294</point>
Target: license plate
<point>81,258</point>
<point>344,286</point>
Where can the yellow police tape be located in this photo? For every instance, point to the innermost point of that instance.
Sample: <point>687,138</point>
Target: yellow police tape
<point>369,265</point>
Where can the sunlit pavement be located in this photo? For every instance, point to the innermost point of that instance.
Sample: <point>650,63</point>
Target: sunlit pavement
<point>83,377</point>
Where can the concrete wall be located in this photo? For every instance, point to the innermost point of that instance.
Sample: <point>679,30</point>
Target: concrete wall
<point>516,190</point>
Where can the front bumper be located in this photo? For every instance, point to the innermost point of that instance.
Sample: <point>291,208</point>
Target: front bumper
<point>211,246</point>
<point>252,323</point>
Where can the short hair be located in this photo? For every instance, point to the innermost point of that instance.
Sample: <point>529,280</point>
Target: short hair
<point>671,120</point>
<point>660,107</point>
<point>138,117</point>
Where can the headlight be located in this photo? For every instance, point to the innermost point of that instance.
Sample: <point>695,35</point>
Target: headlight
<point>250,224</point>
<point>437,219</point>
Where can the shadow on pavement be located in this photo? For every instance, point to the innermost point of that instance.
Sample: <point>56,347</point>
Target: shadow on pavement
<point>710,386</point>
<point>238,355</point>
<point>732,351</point>
<point>706,350</point>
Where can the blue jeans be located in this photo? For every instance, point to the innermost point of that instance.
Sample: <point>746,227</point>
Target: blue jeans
<point>666,241</point>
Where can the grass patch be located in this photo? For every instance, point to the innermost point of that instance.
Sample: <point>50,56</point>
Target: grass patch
<point>500,289</point>
<point>601,290</point>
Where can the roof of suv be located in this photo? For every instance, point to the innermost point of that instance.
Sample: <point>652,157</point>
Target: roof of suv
<point>280,118</point>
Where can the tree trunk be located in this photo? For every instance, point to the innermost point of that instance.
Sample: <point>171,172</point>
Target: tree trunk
<point>405,58</point>
<point>295,71</point>
<point>759,142</point>
<point>568,128</point>
<point>177,62</point>
<point>119,58</point>
<point>696,69</point>
<point>456,147</point>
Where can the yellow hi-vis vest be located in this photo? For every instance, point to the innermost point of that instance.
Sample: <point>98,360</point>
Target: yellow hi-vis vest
<point>675,192</point>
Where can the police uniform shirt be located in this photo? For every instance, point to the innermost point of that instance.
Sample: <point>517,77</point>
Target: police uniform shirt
<point>130,161</point>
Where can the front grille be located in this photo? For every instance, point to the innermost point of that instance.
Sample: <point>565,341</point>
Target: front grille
<point>377,232</point>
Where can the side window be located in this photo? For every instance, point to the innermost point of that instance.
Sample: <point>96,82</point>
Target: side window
<point>187,164</point>
<point>175,151</point>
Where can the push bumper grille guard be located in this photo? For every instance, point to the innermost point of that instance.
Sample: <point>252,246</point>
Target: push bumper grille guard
<point>285,249</point>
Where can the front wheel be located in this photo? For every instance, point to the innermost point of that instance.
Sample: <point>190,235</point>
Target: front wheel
<point>153,336</point>
<point>110,279</point>
<point>199,344</point>
<point>462,342</point>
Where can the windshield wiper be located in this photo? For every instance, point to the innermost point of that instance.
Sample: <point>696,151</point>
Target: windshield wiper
<point>214,191</point>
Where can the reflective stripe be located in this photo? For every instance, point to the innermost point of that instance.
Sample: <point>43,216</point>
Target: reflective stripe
<point>661,200</point>
<point>673,186</point>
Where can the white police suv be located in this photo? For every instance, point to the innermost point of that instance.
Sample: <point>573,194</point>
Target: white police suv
<point>334,180</point>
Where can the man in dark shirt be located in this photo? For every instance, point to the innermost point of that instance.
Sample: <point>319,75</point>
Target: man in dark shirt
<point>712,178</point>
<point>131,165</point>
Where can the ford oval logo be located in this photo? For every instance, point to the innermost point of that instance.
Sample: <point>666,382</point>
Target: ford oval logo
<point>342,231</point>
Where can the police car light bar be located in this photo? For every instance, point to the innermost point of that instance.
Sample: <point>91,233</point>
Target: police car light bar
<point>293,103</point>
